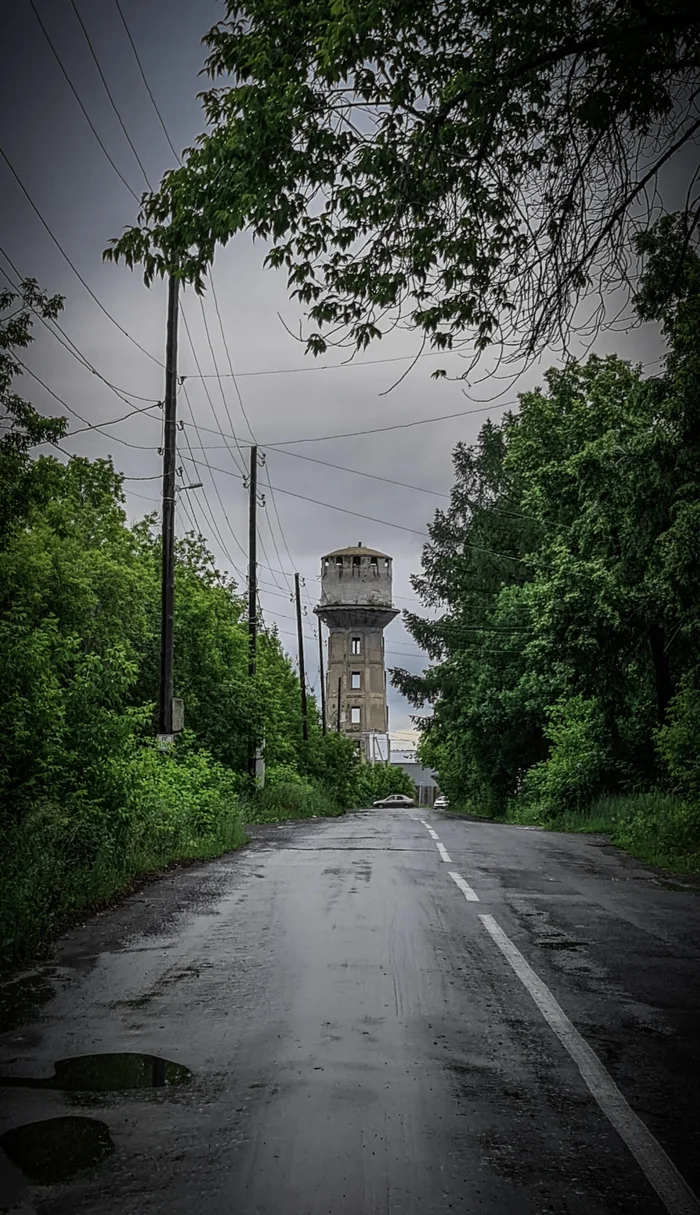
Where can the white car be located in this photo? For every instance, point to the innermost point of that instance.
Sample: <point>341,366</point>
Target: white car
<point>396,800</point>
<point>440,803</point>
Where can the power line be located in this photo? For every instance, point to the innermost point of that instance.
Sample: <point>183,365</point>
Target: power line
<point>375,430</point>
<point>352,434</point>
<point>206,326</point>
<point>112,102</point>
<point>79,416</point>
<point>401,358</point>
<point>331,506</point>
<point>373,519</point>
<point>67,342</point>
<point>358,472</point>
<point>74,91</point>
<point>241,466</point>
<point>72,265</point>
<point>213,481</point>
<point>145,81</point>
<point>247,422</point>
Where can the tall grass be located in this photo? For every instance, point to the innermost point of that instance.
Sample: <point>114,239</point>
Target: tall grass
<point>291,799</point>
<point>655,827</point>
<point>60,860</point>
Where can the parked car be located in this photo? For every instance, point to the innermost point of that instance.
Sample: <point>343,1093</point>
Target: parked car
<point>397,800</point>
<point>441,802</point>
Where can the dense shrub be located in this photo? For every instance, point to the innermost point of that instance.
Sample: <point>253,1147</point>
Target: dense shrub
<point>66,855</point>
<point>578,763</point>
<point>375,781</point>
<point>678,741</point>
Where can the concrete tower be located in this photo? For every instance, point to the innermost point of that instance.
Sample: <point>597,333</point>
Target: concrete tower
<point>356,606</point>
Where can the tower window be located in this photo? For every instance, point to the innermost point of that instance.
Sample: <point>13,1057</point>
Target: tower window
<point>356,645</point>
<point>356,565</point>
<point>355,680</point>
<point>374,566</point>
<point>355,716</point>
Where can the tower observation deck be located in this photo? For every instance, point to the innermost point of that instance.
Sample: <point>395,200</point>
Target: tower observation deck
<point>356,607</point>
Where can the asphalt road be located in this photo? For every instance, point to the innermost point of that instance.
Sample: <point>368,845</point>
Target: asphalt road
<point>367,1033</point>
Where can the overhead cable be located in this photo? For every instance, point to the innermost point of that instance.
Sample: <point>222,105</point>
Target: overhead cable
<point>72,265</point>
<point>75,93</point>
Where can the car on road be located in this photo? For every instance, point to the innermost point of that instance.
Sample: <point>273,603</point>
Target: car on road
<point>440,803</point>
<point>395,800</point>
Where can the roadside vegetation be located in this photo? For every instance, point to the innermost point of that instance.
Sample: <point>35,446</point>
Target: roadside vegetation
<point>87,800</point>
<point>566,578</point>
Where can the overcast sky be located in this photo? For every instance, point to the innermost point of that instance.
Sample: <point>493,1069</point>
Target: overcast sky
<point>59,160</point>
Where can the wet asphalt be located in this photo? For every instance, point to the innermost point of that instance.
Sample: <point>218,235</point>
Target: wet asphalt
<point>342,1036</point>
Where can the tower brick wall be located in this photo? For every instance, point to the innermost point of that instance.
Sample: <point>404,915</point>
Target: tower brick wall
<point>356,605</point>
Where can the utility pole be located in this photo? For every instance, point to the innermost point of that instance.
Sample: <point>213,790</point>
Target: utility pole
<point>165,707</point>
<point>252,588</point>
<point>322,677</point>
<point>302,675</point>
<point>340,688</point>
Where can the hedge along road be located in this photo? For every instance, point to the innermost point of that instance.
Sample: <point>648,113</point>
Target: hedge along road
<point>380,1014</point>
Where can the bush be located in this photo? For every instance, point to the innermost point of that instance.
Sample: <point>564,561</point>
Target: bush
<point>63,857</point>
<point>331,761</point>
<point>291,799</point>
<point>374,781</point>
<point>578,761</point>
<point>678,742</point>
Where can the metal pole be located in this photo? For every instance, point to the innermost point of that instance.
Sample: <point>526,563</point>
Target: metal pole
<point>252,587</point>
<point>302,675</point>
<point>322,677</point>
<point>340,687</point>
<point>165,706</point>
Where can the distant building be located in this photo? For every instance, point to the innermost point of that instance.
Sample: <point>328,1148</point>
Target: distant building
<point>356,607</point>
<point>424,780</point>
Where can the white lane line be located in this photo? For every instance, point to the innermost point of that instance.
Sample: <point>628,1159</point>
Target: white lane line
<point>444,853</point>
<point>672,1189</point>
<point>470,895</point>
<point>429,829</point>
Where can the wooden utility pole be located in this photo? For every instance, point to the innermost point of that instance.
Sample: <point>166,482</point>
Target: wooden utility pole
<point>322,677</point>
<point>165,699</point>
<point>252,588</point>
<point>340,688</point>
<point>302,674</point>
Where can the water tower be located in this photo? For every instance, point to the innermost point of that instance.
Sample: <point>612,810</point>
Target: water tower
<point>356,607</point>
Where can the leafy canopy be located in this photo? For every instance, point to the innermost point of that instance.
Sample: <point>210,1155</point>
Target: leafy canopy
<point>566,576</point>
<point>455,165</point>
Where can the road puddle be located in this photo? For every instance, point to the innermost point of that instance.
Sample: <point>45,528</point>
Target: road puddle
<point>56,1148</point>
<point>106,1073</point>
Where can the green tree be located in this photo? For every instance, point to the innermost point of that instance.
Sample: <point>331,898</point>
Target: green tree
<point>21,427</point>
<point>474,167</point>
<point>565,574</point>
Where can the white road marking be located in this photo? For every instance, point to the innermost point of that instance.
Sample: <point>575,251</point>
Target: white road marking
<point>470,895</point>
<point>661,1172</point>
<point>444,853</point>
<point>429,829</point>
